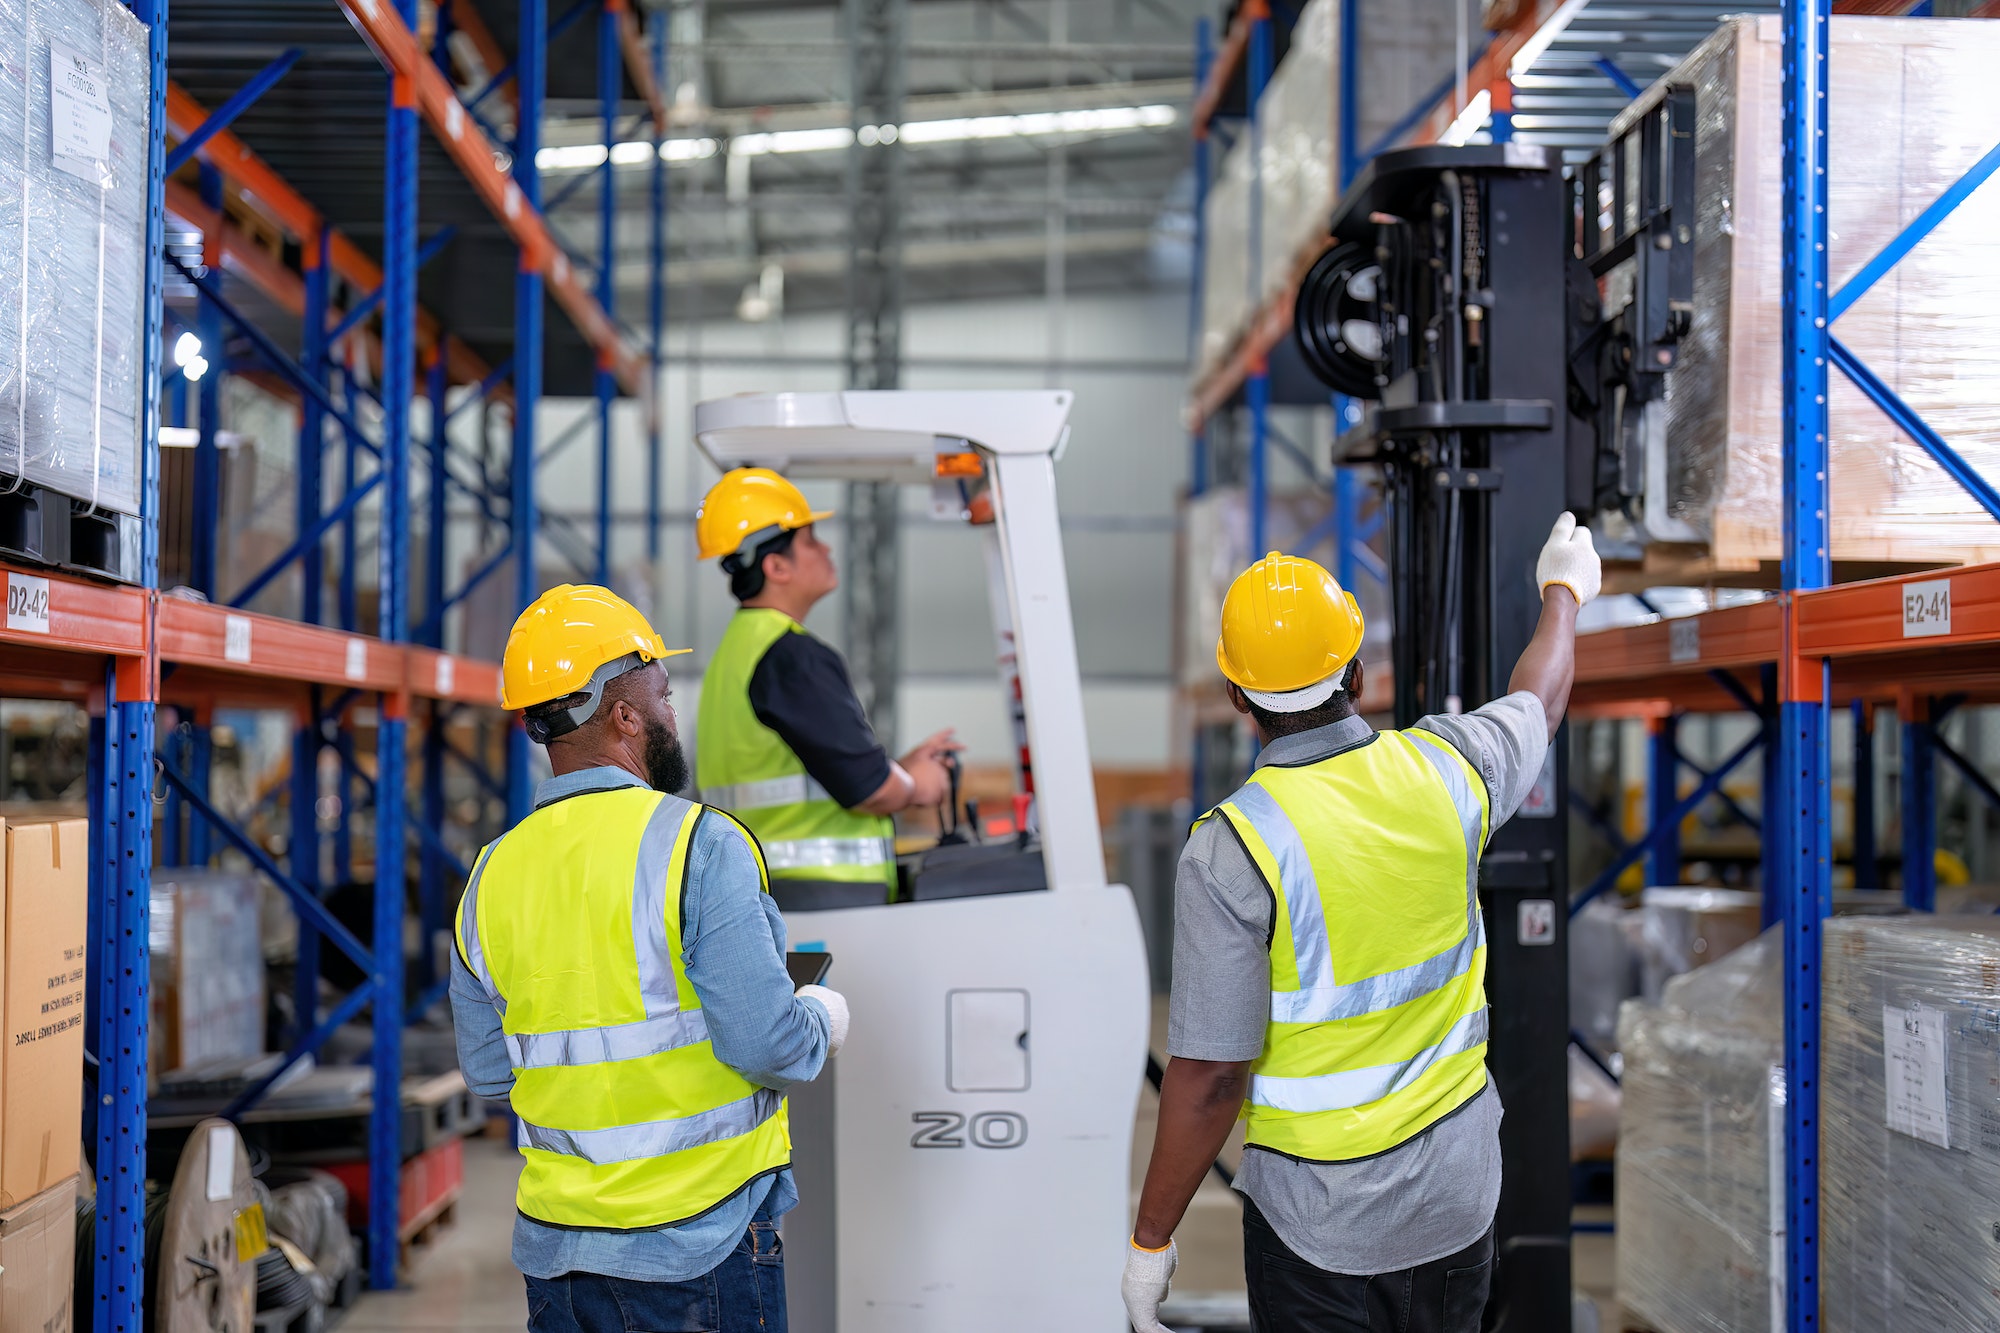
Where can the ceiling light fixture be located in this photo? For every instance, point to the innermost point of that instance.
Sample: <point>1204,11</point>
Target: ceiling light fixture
<point>961,129</point>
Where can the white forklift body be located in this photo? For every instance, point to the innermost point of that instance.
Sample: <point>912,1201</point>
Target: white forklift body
<point>965,1165</point>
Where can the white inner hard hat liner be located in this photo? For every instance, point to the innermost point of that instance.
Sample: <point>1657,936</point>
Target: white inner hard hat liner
<point>1297,701</point>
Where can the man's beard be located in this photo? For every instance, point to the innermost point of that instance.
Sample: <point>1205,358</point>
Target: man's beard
<point>666,762</point>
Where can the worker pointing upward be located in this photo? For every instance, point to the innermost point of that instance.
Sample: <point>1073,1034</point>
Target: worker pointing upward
<point>620,977</point>
<point>1330,966</point>
<point>783,742</point>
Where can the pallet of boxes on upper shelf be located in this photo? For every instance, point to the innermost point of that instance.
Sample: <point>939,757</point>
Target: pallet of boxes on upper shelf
<point>73,145</point>
<point>1292,161</point>
<point>44,914</point>
<point>1911,104</point>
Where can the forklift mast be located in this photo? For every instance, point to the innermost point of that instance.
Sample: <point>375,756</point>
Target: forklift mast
<point>1451,303</point>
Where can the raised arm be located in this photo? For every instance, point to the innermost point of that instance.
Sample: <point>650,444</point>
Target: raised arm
<point>1569,573</point>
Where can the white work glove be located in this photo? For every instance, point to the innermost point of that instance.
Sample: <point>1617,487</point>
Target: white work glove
<point>836,1015</point>
<point>1571,560</point>
<point>1147,1273</point>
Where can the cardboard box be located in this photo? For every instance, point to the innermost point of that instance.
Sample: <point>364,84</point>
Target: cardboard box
<point>41,1064</point>
<point>38,1262</point>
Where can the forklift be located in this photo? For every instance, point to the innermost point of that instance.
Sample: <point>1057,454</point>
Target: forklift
<point>1460,302</point>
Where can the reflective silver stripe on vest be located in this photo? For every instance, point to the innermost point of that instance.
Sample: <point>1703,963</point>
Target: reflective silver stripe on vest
<point>656,1138</point>
<point>820,853</point>
<point>592,1046</point>
<point>1320,997</point>
<point>475,956</point>
<point>665,1027</point>
<point>1358,1087</point>
<point>793,789</point>
<point>1301,893</point>
<point>649,908</point>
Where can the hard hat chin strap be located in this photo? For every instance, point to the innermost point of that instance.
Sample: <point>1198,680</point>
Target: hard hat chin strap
<point>547,723</point>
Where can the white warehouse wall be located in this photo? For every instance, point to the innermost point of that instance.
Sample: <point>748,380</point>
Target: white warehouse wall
<point>1117,485</point>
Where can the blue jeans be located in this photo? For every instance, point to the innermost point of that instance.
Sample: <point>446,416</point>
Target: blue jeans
<point>745,1293</point>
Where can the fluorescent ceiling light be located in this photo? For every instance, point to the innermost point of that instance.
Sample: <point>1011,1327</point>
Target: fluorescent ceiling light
<point>1041,124</point>
<point>1543,37</point>
<point>1469,120</point>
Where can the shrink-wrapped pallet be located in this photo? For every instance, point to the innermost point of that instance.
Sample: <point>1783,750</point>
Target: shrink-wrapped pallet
<point>1300,147</point>
<point>1225,263</point>
<point>1702,1099</point>
<point>1910,1109</point>
<point>1297,182</point>
<point>1912,105</point>
<point>74,76</point>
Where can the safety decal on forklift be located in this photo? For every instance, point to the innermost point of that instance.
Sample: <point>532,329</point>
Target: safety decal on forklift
<point>1537,923</point>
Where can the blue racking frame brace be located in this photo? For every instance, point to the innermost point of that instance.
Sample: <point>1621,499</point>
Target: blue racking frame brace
<point>122,759</point>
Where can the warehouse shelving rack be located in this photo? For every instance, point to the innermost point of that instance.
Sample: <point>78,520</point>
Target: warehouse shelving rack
<point>1924,643</point>
<point>122,650</point>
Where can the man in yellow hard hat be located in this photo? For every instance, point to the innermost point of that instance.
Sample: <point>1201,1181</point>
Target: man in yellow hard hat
<point>782,741</point>
<point>620,977</point>
<point>1329,970</point>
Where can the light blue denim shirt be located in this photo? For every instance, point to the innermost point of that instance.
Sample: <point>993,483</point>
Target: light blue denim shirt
<point>734,945</point>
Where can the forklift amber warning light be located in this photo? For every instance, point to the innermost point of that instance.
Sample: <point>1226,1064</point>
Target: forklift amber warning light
<point>957,465</point>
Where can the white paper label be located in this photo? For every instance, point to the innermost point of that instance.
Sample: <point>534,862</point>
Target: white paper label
<point>27,603</point>
<point>357,659</point>
<point>1913,1065</point>
<point>446,676</point>
<point>79,116</point>
<point>1537,924</point>
<point>1927,609</point>
<point>454,119</point>
<point>221,1163</point>
<point>236,638</point>
<point>1684,640</point>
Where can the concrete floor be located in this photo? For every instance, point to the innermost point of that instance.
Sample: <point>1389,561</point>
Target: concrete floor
<point>466,1281</point>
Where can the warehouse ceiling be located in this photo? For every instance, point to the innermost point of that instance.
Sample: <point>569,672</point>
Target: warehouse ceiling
<point>1045,143</point>
<point>984,197</point>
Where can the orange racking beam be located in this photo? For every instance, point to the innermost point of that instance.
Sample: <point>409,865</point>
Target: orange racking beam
<point>1228,59</point>
<point>399,51</point>
<point>639,62</point>
<point>466,18</point>
<point>1491,69</point>
<point>241,254</point>
<point>265,191</point>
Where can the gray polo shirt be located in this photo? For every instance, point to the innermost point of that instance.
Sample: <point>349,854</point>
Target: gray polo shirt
<point>1429,1197</point>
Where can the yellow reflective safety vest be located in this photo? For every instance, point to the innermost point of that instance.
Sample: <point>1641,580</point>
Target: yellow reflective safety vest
<point>572,923</point>
<point>746,768</point>
<point>1378,953</point>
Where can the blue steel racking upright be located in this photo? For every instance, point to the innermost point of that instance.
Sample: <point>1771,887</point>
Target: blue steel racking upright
<point>113,643</point>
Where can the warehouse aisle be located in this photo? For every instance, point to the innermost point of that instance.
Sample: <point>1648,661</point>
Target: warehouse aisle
<point>466,1281</point>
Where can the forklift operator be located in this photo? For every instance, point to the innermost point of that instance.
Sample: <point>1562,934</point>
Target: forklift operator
<point>782,741</point>
<point>1329,970</point>
<point>620,978</point>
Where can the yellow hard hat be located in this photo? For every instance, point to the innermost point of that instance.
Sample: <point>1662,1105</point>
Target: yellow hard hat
<point>750,505</point>
<point>1286,625</point>
<point>564,643</point>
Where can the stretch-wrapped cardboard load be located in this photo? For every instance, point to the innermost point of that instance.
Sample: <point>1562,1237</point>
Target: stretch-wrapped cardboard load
<point>1909,1126</point>
<point>1913,103</point>
<point>1299,154</point>
<point>74,76</point>
<point>1702,1096</point>
<point>1910,1105</point>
